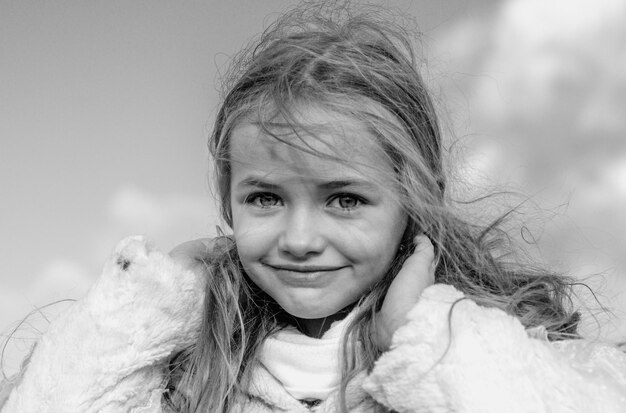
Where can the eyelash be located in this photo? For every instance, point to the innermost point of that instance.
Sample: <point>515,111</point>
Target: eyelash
<point>254,199</point>
<point>358,200</point>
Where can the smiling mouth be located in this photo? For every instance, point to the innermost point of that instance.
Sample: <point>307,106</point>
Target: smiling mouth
<point>304,268</point>
<point>305,276</point>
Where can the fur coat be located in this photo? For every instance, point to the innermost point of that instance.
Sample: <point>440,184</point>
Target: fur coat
<point>107,353</point>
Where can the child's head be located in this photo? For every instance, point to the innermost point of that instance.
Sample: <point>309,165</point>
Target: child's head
<point>318,101</point>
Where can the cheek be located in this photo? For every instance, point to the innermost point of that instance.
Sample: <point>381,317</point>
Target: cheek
<point>379,236</point>
<point>384,247</point>
<point>253,237</point>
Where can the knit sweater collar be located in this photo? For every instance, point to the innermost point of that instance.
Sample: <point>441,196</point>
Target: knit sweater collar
<point>308,368</point>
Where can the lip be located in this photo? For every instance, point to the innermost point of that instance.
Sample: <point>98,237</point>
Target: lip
<point>305,275</point>
<point>304,268</point>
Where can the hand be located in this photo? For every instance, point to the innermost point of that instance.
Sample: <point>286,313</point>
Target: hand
<point>194,255</point>
<point>417,273</point>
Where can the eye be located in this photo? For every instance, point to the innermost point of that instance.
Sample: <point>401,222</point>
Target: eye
<point>263,200</point>
<point>346,201</point>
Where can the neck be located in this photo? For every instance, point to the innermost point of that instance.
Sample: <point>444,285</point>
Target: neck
<point>316,327</point>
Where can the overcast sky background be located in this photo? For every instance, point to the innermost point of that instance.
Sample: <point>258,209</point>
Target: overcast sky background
<point>105,107</point>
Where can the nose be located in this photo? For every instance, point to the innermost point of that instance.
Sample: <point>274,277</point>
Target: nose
<point>303,234</point>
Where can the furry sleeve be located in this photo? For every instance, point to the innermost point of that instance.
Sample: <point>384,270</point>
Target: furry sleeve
<point>106,352</point>
<point>455,356</point>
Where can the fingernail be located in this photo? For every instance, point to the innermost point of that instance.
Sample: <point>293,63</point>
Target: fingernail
<point>419,240</point>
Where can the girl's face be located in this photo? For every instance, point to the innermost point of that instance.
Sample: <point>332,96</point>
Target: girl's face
<point>313,233</point>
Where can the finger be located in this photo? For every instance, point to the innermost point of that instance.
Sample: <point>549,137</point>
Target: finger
<point>416,274</point>
<point>423,256</point>
<point>196,249</point>
<point>423,245</point>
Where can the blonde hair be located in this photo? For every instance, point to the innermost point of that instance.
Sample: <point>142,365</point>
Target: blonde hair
<point>362,66</point>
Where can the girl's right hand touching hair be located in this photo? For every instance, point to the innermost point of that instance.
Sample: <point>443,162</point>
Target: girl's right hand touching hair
<point>194,255</point>
<point>417,273</point>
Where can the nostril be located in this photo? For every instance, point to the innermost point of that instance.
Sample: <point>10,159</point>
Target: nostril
<point>302,246</point>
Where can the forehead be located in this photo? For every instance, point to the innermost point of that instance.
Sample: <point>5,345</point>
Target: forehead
<point>322,145</point>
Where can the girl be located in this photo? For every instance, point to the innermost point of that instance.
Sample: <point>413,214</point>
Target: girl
<point>348,283</point>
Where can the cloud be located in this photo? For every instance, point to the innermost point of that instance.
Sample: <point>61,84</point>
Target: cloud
<point>545,81</point>
<point>59,279</point>
<point>135,208</point>
<point>552,61</point>
<point>544,85</point>
<point>166,219</point>
<point>36,304</point>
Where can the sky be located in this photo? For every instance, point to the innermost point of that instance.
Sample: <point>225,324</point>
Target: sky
<point>105,108</point>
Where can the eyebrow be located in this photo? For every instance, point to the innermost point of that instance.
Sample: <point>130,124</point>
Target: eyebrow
<point>329,185</point>
<point>338,184</point>
<point>255,182</point>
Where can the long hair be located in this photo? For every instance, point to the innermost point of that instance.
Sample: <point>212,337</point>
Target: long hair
<point>362,66</point>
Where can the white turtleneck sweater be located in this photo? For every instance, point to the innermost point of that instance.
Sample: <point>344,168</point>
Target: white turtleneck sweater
<point>309,368</point>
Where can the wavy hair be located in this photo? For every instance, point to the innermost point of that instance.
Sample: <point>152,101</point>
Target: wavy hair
<point>363,66</point>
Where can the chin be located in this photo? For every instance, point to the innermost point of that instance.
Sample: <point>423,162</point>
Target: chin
<point>308,313</point>
<point>315,312</point>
